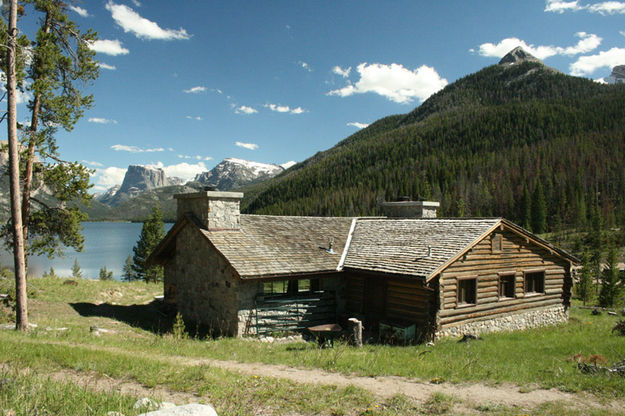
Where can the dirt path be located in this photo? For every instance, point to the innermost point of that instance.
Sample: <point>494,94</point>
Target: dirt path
<point>381,386</point>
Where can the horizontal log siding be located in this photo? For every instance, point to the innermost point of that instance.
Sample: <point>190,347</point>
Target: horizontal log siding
<point>407,300</point>
<point>518,256</point>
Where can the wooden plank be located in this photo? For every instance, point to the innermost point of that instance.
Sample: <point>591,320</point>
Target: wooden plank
<point>524,300</point>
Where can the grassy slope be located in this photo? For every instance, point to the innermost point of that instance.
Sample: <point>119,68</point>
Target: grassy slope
<point>140,341</point>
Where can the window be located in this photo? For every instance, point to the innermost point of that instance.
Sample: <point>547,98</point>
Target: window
<point>496,243</point>
<point>275,288</point>
<point>506,285</point>
<point>535,282</point>
<point>467,291</point>
<point>291,287</point>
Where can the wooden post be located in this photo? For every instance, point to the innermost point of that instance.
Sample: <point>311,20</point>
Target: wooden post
<point>356,331</point>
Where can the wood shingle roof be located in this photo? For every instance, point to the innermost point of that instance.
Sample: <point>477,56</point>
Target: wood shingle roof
<point>414,247</point>
<point>269,245</point>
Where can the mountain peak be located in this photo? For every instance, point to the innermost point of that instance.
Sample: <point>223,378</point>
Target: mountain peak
<point>518,55</point>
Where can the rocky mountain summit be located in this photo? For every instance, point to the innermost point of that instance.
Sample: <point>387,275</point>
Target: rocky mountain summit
<point>138,179</point>
<point>144,183</point>
<point>518,55</point>
<point>233,173</point>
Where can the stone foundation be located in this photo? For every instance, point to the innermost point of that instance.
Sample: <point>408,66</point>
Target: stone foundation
<point>522,320</point>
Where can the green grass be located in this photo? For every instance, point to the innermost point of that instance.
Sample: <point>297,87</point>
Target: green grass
<point>24,393</point>
<point>140,348</point>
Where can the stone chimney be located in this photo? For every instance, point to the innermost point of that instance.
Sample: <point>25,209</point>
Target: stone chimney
<point>215,210</point>
<point>410,209</point>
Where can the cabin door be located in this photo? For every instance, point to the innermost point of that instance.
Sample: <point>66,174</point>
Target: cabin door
<point>374,301</point>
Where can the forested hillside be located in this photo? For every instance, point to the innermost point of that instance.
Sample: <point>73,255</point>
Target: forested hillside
<point>521,141</point>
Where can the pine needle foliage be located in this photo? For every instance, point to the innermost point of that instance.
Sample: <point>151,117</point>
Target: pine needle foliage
<point>152,233</point>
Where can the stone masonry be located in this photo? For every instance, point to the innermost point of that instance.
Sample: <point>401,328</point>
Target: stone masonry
<point>523,320</point>
<point>213,209</point>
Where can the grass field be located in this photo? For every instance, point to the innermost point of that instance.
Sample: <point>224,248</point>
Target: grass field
<point>135,346</point>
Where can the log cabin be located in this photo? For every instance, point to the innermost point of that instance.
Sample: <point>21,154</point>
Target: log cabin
<point>407,275</point>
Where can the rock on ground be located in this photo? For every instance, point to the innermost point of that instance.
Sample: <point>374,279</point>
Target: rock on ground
<point>192,409</point>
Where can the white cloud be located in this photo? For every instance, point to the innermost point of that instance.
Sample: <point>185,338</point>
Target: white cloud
<point>92,163</point>
<point>195,90</point>
<point>604,7</point>
<point>285,109</point>
<point>358,125</point>
<point>135,149</point>
<point>186,171</point>
<point>608,7</point>
<point>394,82</point>
<point>131,21</point>
<point>217,90</point>
<point>245,110</point>
<point>99,120</point>
<point>342,72</point>
<point>196,157</point>
<point>107,66</point>
<point>107,177</point>
<point>109,47</point>
<point>622,32</point>
<point>249,146</point>
<point>79,10</point>
<point>198,118</point>
<point>136,3</point>
<point>587,43</point>
<point>305,66</point>
<point>586,65</point>
<point>558,6</point>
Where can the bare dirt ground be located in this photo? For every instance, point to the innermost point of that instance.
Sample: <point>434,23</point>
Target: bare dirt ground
<point>385,387</point>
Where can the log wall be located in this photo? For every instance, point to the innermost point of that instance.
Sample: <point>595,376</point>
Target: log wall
<point>406,298</point>
<point>518,256</point>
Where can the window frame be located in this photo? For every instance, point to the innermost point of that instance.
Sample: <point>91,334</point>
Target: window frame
<point>502,293</point>
<point>462,281</point>
<point>496,243</point>
<point>526,280</point>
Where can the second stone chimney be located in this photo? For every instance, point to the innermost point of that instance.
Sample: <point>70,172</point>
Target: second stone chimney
<point>410,209</point>
<point>215,210</point>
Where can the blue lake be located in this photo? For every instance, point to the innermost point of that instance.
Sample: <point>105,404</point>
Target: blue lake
<point>106,244</point>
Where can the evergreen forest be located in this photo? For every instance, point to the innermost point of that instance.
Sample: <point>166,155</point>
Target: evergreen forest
<point>521,141</point>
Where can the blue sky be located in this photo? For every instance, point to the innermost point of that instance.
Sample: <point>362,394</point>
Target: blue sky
<point>185,84</point>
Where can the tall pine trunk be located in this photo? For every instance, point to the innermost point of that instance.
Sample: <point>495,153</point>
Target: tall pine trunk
<point>28,176</point>
<point>21,307</point>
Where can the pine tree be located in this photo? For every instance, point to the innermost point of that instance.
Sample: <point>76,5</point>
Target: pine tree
<point>539,210</point>
<point>610,288</point>
<point>50,67</point>
<point>152,233</point>
<point>76,272</point>
<point>583,286</point>
<point>128,274</point>
<point>106,274</point>
<point>526,209</point>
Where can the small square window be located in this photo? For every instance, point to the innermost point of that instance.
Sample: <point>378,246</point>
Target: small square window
<point>535,282</point>
<point>496,243</point>
<point>467,291</point>
<point>507,286</point>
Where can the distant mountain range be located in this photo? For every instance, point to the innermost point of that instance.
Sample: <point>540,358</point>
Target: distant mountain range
<point>143,186</point>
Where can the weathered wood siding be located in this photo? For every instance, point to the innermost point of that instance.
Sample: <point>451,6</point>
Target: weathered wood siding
<point>518,256</point>
<point>406,298</point>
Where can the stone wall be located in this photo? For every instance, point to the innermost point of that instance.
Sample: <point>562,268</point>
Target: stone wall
<point>213,209</point>
<point>207,289</point>
<point>522,320</point>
